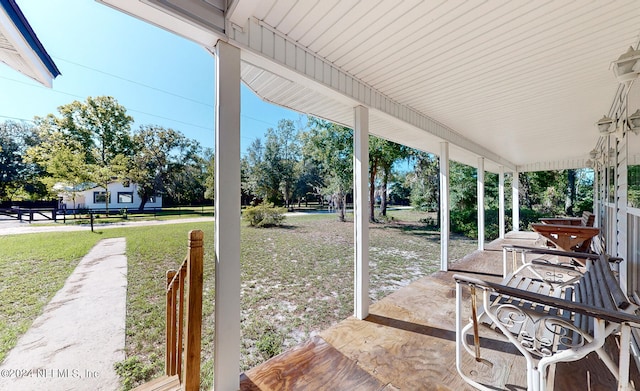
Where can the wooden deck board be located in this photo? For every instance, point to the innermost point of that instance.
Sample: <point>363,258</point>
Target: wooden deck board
<point>408,343</point>
<point>314,365</point>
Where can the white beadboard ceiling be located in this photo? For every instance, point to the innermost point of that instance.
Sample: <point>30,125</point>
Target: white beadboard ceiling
<point>518,82</point>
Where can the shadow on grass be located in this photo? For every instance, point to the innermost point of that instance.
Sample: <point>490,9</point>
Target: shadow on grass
<point>415,229</point>
<point>282,226</point>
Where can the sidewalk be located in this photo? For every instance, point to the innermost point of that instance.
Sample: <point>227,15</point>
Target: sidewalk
<point>81,333</point>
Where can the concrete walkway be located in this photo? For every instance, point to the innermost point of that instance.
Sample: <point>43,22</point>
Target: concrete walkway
<point>81,333</point>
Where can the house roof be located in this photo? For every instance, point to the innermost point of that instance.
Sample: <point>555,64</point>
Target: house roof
<point>518,83</point>
<point>20,48</point>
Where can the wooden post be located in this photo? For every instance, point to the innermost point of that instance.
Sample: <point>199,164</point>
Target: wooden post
<point>193,327</point>
<point>170,326</point>
<point>179,284</point>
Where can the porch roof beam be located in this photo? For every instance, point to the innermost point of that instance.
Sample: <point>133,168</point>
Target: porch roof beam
<point>280,55</point>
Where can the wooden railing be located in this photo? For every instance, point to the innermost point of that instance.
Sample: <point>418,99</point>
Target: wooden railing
<point>184,325</point>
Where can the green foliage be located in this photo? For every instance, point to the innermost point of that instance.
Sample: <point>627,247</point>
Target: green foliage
<point>424,182</point>
<point>89,142</point>
<point>634,186</point>
<point>167,162</point>
<point>133,371</point>
<point>272,165</point>
<point>18,175</point>
<point>400,193</point>
<point>330,147</point>
<point>383,154</point>
<point>209,160</point>
<point>269,343</point>
<point>264,215</point>
<point>465,221</point>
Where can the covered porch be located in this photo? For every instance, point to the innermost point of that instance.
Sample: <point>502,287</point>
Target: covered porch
<point>505,87</point>
<point>407,342</point>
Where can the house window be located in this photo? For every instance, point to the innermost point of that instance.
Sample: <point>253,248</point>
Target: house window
<point>125,197</point>
<point>152,199</point>
<point>99,197</point>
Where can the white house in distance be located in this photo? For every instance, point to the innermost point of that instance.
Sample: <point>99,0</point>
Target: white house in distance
<point>90,196</point>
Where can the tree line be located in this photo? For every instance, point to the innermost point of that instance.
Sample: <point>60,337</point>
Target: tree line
<point>92,143</point>
<point>310,160</point>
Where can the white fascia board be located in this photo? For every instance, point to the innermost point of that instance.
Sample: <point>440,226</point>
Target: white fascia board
<point>168,20</point>
<point>36,69</point>
<point>567,164</point>
<point>276,53</point>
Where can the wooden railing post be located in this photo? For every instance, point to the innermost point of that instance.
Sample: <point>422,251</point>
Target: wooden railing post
<point>193,325</point>
<point>170,344</point>
<point>184,333</point>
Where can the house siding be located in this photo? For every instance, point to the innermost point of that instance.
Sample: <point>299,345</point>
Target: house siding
<point>121,197</point>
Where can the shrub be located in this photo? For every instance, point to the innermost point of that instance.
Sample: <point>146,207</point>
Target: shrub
<point>264,215</point>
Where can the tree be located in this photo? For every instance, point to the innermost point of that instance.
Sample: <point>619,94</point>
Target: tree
<point>257,182</point>
<point>210,174</point>
<point>424,182</point>
<point>331,147</point>
<point>17,174</point>
<point>544,190</point>
<point>161,161</point>
<point>390,153</point>
<point>98,130</point>
<point>310,181</point>
<point>570,198</point>
<point>463,189</point>
<point>289,153</point>
<point>272,165</point>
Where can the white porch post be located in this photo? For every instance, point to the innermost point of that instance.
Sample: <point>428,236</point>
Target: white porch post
<point>515,201</point>
<point>501,222</point>
<point>480,190</point>
<point>360,215</point>
<point>227,213</point>
<point>444,206</point>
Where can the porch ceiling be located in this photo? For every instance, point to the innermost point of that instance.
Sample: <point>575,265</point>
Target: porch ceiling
<point>519,82</point>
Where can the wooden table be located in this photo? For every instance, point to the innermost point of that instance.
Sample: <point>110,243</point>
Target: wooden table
<point>565,237</point>
<point>562,220</point>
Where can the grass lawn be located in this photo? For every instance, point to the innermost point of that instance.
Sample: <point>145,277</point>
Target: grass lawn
<point>296,280</point>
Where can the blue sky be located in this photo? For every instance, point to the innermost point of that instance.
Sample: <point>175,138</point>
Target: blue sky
<point>161,79</point>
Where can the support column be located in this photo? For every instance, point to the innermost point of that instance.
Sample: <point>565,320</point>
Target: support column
<point>515,201</point>
<point>501,220</point>
<point>360,208</point>
<point>227,212</point>
<point>444,206</point>
<point>480,189</point>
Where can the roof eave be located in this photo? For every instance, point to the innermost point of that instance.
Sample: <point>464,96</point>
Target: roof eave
<point>26,46</point>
